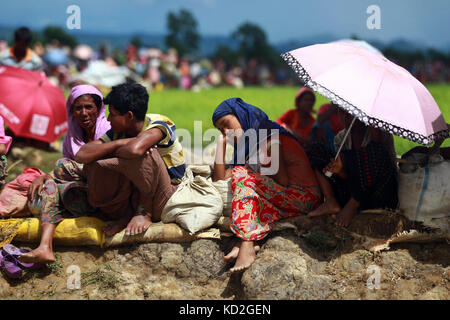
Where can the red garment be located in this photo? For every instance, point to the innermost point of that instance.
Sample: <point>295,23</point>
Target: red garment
<point>291,121</point>
<point>258,201</point>
<point>334,121</point>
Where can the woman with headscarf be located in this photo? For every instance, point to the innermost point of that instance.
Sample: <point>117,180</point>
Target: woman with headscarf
<point>63,191</point>
<point>271,175</point>
<point>86,122</point>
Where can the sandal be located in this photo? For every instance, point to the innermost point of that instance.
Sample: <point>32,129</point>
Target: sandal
<point>13,253</point>
<point>10,268</point>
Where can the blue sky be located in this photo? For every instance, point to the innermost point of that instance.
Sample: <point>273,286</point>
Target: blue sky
<point>417,20</point>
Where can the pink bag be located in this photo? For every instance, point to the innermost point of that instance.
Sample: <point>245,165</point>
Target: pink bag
<point>13,198</point>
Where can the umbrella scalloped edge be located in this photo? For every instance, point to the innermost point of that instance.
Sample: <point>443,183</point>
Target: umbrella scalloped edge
<point>362,116</point>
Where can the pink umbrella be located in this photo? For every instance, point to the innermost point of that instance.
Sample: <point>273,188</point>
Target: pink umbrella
<point>371,88</point>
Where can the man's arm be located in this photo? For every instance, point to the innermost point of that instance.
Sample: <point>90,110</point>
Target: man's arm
<point>96,150</point>
<point>137,146</point>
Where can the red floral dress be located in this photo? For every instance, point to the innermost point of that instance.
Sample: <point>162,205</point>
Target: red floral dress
<point>258,201</point>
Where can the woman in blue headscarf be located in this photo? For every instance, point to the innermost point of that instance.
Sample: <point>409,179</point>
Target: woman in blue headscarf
<point>271,175</point>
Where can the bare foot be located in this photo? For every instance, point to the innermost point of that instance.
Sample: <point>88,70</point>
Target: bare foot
<point>246,257</point>
<point>233,254</point>
<point>40,254</point>
<point>344,217</point>
<point>115,227</point>
<point>138,224</point>
<point>328,207</point>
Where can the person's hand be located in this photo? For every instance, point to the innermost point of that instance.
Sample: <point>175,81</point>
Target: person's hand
<point>336,167</point>
<point>151,150</point>
<point>36,187</point>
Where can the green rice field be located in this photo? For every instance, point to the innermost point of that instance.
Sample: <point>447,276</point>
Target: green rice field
<point>185,107</point>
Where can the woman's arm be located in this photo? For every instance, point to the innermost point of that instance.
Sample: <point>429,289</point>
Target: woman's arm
<point>36,186</point>
<point>2,149</point>
<point>220,172</point>
<point>281,176</point>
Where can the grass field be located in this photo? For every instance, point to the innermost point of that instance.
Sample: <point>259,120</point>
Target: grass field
<point>185,107</point>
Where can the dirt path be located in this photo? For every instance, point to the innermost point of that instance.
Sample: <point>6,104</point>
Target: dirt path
<point>315,265</point>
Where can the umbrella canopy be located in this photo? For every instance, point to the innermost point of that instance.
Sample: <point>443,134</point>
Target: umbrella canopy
<point>31,106</point>
<point>362,44</point>
<point>370,87</point>
<point>55,57</point>
<point>83,52</point>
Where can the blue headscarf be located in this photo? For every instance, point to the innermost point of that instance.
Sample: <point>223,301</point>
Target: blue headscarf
<point>250,117</point>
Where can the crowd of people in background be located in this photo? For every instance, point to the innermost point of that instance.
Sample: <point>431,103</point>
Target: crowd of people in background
<point>157,69</point>
<point>154,68</point>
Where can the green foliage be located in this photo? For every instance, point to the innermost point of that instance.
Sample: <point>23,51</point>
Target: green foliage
<point>136,41</point>
<point>183,34</point>
<point>253,43</point>
<point>36,38</point>
<point>51,33</point>
<point>227,54</point>
<point>57,266</point>
<point>104,278</point>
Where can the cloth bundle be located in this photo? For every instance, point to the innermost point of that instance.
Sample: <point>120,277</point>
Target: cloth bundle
<point>197,204</point>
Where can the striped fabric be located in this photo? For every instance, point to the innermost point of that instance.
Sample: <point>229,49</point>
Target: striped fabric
<point>169,147</point>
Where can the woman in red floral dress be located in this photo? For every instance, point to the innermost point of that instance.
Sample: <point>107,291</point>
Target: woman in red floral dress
<point>271,175</point>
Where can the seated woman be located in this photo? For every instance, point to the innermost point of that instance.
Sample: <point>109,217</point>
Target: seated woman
<point>299,121</point>
<point>364,174</point>
<point>86,122</point>
<point>280,184</point>
<point>5,143</point>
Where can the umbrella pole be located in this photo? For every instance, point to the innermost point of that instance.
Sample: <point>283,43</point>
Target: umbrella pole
<point>328,173</point>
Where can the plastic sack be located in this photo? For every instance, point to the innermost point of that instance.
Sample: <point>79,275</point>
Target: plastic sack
<point>13,198</point>
<point>70,232</point>
<point>84,231</point>
<point>196,205</point>
<point>424,193</point>
<point>161,232</point>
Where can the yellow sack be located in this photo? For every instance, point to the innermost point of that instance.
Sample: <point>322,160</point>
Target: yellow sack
<point>83,231</point>
<point>161,232</point>
<point>70,232</point>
